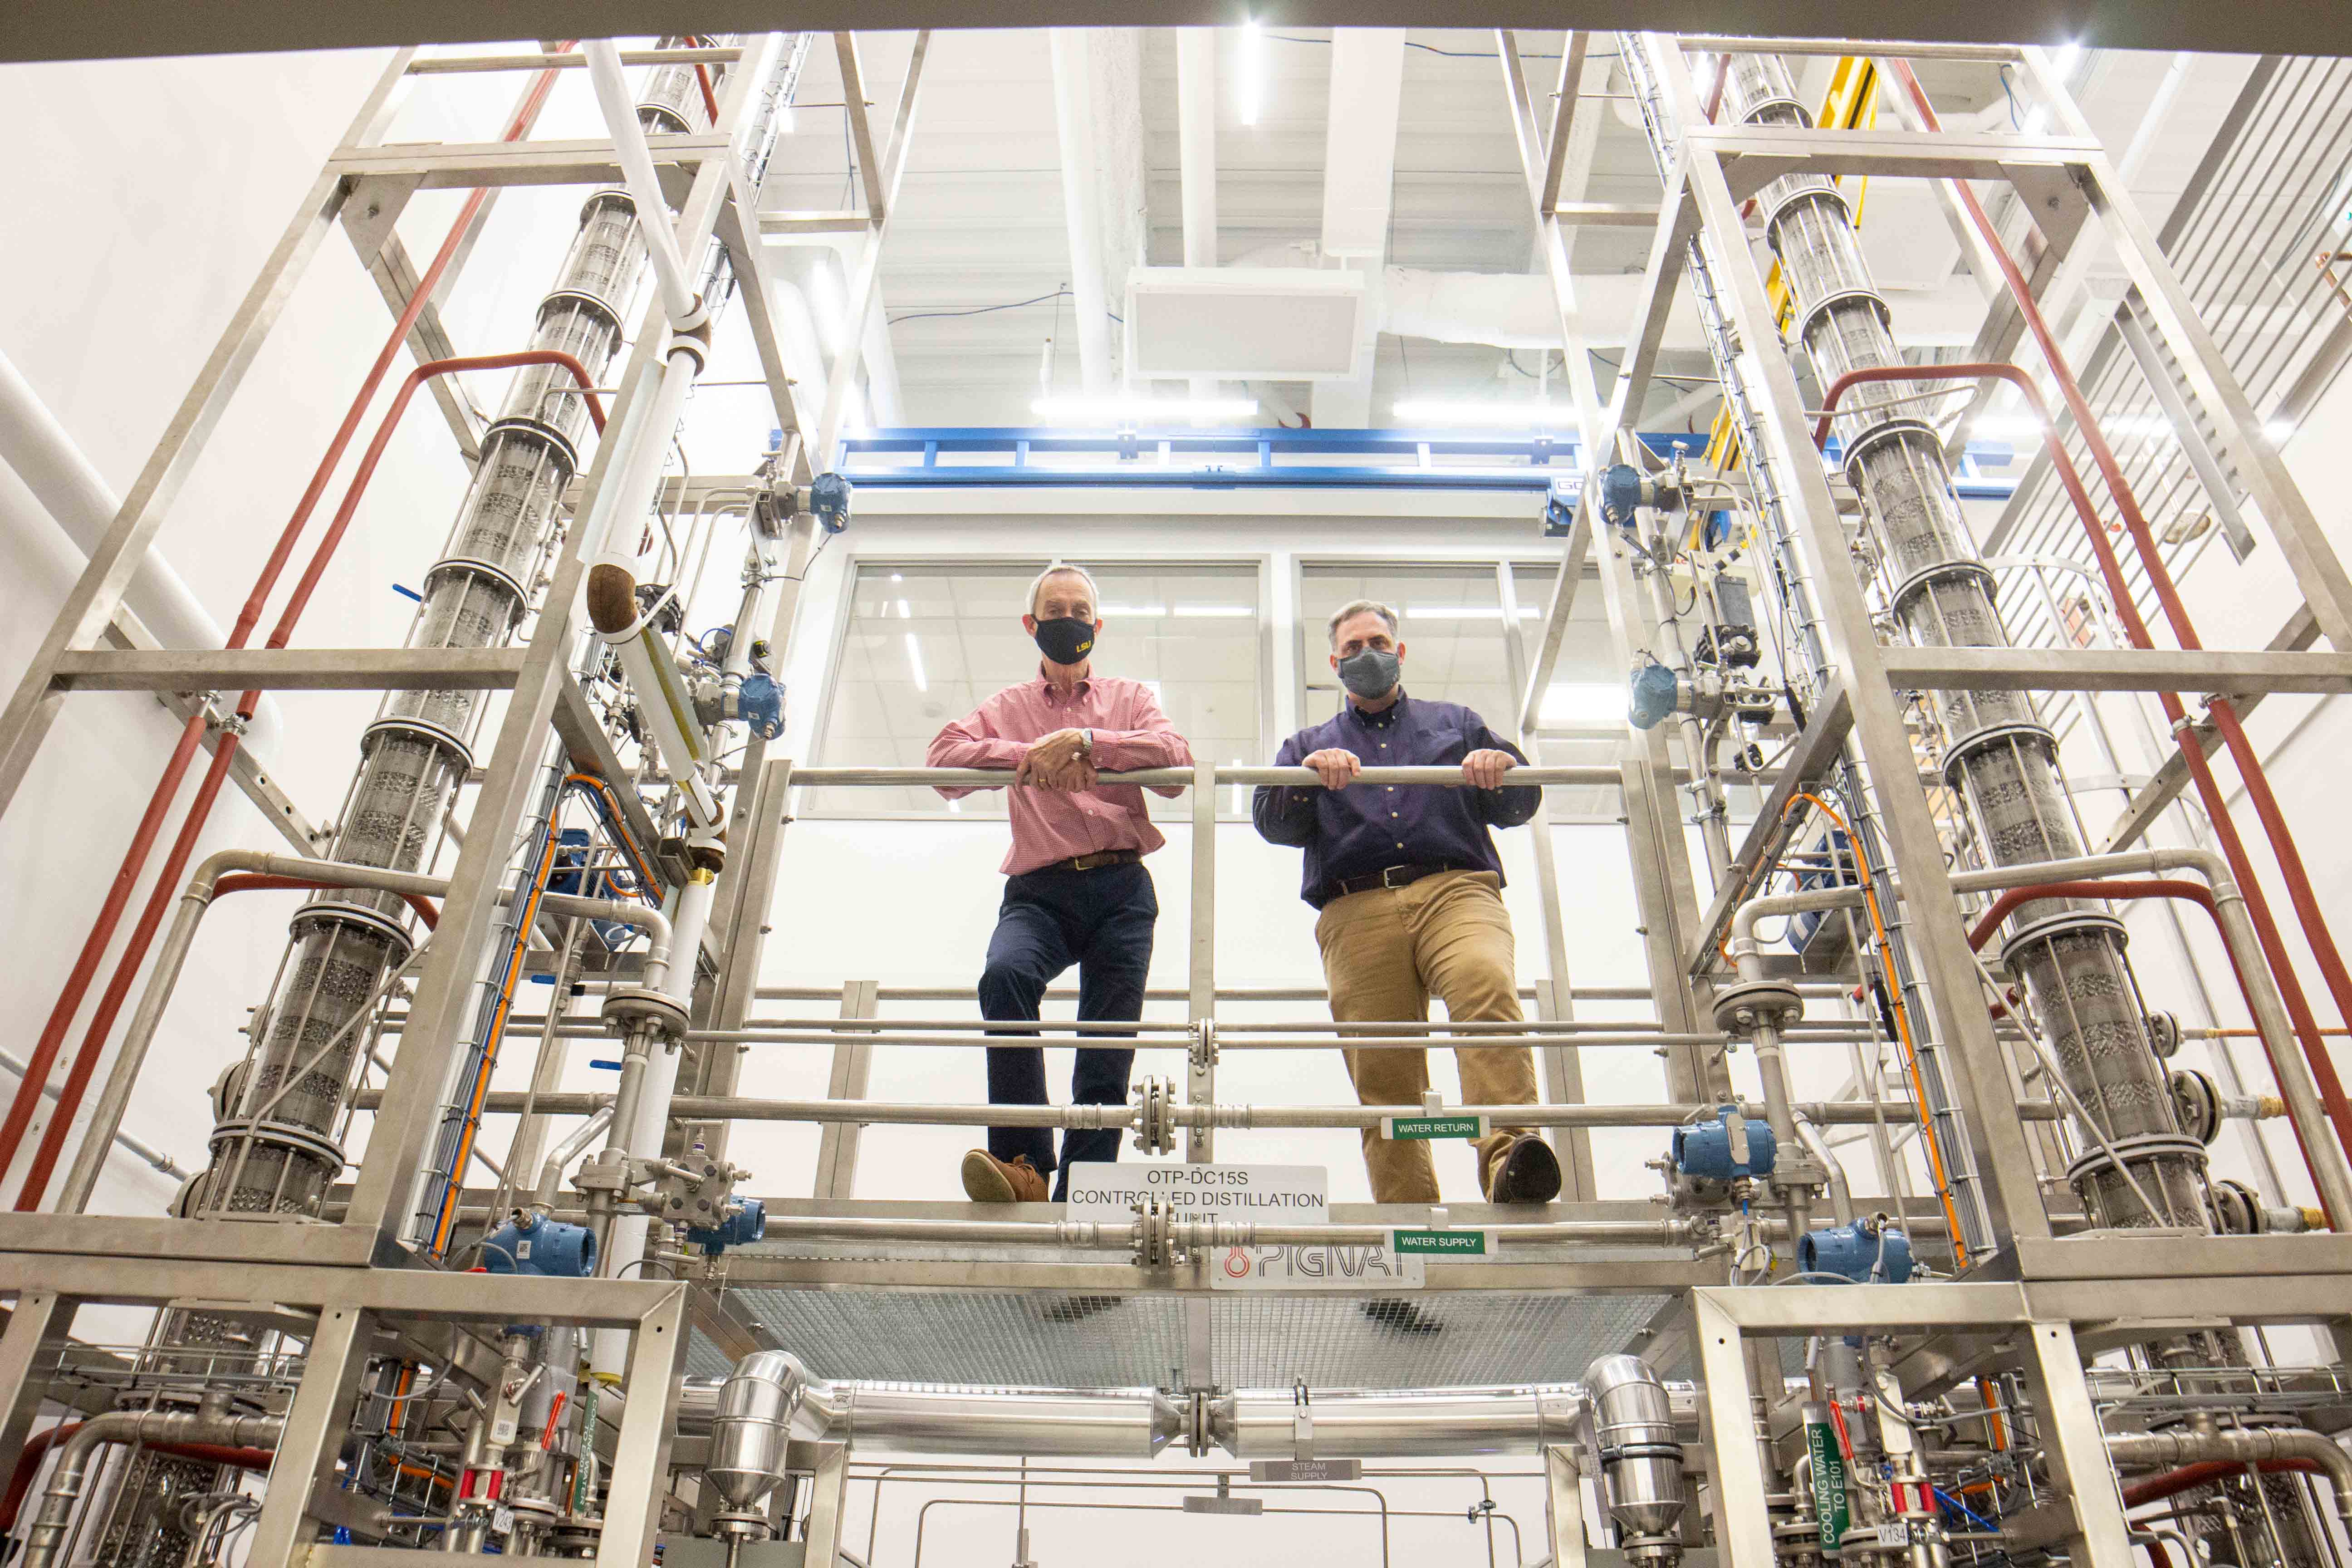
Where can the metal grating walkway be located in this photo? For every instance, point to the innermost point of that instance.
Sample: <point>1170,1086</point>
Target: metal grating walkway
<point>1063,1340</point>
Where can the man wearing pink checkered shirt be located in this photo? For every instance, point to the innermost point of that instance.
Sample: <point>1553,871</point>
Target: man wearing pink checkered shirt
<point>1075,888</point>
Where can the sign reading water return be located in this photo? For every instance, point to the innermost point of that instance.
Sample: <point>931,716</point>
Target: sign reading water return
<point>1108,1194</point>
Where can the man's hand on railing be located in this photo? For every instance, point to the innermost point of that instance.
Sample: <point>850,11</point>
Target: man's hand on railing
<point>1336,767</point>
<point>1058,762</point>
<point>1485,769</point>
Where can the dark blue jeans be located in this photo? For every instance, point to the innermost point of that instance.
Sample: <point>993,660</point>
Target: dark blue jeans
<point>1100,920</point>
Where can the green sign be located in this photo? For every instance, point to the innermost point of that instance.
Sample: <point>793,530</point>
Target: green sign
<point>1410,1129</point>
<point>1439,1243</point>
<point>1829,1481</point>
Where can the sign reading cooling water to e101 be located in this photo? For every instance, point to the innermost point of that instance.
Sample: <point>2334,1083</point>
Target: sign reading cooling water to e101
<point>1260,1195</point>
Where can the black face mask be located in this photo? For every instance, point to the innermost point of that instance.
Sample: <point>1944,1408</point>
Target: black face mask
<point>1066,640</point>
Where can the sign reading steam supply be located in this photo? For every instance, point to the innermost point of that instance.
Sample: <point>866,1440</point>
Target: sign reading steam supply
<point>1107,1193</point>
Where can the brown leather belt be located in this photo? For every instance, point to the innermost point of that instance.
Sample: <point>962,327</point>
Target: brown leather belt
<point>1093,862</point>
<point>1394,876</point>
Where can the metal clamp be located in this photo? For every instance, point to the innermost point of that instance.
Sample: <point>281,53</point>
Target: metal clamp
<point>1302,1421</point>
<point>1155,1247</point>
<point>1771,1004</point>
<point>1202,1049</point>
<point>1156,1127</point>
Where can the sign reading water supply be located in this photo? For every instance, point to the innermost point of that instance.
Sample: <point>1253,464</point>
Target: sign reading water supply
<point>1442,1243</point>
<point>1103,1193</point>
<point>1430,1126</point>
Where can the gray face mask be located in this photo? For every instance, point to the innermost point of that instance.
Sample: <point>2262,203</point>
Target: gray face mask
<point>1371,673</point>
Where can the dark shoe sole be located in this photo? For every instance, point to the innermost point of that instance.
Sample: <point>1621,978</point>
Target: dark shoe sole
<point>1530,1173</point>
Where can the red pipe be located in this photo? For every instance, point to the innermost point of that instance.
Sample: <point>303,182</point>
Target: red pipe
<point>160,899</point>
<point>266,882</point>
<point>101,933</point>
<point>2188,1478</point>
<point>28,1463</point>
<point>2242,753</point>
<point>2157,1556</point>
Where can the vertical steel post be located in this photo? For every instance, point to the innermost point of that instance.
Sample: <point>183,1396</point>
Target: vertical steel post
<point>1563,1071</point>
<point>828,1498</point>
<point>37,1326</point>
<point>313,1440</point>
<point>837,1147</point>
<point>1564,1508</point>
<point>1201,1060</point>
<point>1738,1494</point>
<point>641,1449</point>
<point>2076,1450</point>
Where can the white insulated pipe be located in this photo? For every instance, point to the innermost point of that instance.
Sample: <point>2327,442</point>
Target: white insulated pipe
<point>1196,144</point>
<point>641,1112</point>
<point>83,506</point>
<point>1073,119</point>
<point>619,104</point>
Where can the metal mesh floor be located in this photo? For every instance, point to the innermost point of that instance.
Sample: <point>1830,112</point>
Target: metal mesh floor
<point>1057,1340</point>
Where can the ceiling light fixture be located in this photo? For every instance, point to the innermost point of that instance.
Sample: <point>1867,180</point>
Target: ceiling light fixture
<point>915,663</point>
<point>1509,416</point>
<point>1142,411</point>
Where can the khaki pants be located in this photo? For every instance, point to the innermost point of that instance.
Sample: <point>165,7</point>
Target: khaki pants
<point>1385,952</point>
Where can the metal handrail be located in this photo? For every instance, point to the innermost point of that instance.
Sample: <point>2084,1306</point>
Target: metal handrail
<point>1165,778</point>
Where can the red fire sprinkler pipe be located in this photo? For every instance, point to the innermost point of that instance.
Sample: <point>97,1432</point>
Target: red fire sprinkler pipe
<point>166,889</point>
<point>2225,719</point>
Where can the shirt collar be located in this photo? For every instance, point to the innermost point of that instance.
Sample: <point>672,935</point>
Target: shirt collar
<point>1382,720</point>
<point>1045,686</point>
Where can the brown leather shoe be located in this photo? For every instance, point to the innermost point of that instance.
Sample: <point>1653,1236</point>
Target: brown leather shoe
<point>989,1180</point>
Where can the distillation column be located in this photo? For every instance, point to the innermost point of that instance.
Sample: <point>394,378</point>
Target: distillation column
<point>1999,759</point>
<point>274,1148</point>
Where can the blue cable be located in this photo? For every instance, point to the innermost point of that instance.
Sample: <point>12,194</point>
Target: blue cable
<point>1951,1501</point>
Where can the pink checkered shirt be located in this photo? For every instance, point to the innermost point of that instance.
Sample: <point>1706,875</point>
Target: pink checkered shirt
<point>1130,731</point>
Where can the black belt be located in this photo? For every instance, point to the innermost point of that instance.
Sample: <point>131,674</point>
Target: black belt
<point>1091,862</point>
<point>1394,876</point>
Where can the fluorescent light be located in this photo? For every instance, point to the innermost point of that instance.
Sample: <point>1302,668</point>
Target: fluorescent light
<point>915,662</point>
<point>2064,58</point>
<point>1582,702</point>
<point>1141,410</point>
<point>1125,611</point>
<point>1202,611</point>
<point>898,577</point>
<point>2279,430</point>
<point>1250,80</point>
<point>1517,415</point>
<point>905,613</point>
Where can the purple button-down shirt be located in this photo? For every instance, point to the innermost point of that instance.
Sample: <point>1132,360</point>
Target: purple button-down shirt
<point>1368,827</point>
<point>1130,733</point>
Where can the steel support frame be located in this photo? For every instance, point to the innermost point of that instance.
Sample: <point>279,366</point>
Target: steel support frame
<point>351,1302</point>
<point>2003,1157</point>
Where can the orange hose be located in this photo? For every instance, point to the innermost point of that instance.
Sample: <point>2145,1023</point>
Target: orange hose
<point>1902,1020</point>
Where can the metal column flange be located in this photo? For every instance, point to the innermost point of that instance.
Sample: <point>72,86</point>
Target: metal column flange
<point>1155,1127</point>
<point>1740,1009</point>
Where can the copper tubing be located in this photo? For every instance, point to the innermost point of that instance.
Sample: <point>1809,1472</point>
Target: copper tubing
<point>2225,719</point>
<point>142,842</point>
<point>261,882</point>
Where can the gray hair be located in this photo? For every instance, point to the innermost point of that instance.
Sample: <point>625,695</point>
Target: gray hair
<point>1061,568</point>
<point>1354,608</point>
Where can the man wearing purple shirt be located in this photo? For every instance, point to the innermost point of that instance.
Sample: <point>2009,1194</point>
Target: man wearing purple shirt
<point>1411,893</point>
<point>1076,889</point>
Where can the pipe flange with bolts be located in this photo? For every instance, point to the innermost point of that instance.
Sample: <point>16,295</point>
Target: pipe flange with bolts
<point>626,1007</point>
<point>1155,1127</point>
<point>1742,1009</point>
